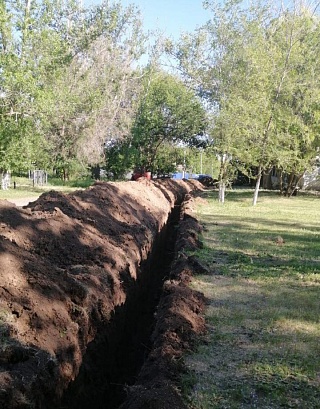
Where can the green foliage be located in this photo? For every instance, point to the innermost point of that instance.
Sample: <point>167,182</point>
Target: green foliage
<point>257,70</point>
<point>169,113</point>
<point>83,183</point>
<point>68,168</point>
<point>67,82</point>
<point>168,157</point>
<point>119,158</point>
<point>202,161</point>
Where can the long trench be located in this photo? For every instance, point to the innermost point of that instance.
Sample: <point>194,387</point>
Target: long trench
<point>113,360</point>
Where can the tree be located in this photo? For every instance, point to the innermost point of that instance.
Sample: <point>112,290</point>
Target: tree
<point>68,74</point>
<point>118,158</point>
<point>255,68</point>
<point>285,136</point>
<point>297,111</point>
<point>169,114</point>
<point>208,61</point>
<point>20,139</point>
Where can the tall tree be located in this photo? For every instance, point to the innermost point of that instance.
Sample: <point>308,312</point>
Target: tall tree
<point>169,113</point>
<point>247,63</point>
<point>20,140</point>
<point>68,72</point>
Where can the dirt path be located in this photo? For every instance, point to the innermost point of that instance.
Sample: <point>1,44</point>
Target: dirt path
<point>23,201</point>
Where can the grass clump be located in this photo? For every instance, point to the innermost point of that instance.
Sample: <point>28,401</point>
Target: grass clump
<point>263,317</point>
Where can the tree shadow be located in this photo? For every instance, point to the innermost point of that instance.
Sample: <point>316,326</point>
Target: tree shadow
<point>69,261</point>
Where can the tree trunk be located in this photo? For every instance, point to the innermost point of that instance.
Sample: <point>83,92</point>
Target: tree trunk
<point>256,190</point>
<point>25,24</point>
<point>281,181</point>
<point>289,186</point>
<point>222,184</point>
<point>222,189</point>
<point>293,186</point>
<point>28,6</point>
<point>95,172</point>
<point>65,174</point>
<point>266,179</point>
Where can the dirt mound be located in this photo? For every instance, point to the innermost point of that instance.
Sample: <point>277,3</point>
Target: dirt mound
<point>179,326</point>
<point>67,262</point>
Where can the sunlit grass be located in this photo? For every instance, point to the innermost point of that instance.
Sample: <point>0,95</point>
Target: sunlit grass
<point>262,349</point>
<point>280,233</point>
<point>24,187</point>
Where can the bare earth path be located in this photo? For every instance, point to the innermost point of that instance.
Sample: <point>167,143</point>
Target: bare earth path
<point>23,201</point>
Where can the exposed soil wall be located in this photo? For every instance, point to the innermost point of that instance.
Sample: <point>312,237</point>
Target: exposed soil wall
<point>72,267</point>
<point>179,325</point>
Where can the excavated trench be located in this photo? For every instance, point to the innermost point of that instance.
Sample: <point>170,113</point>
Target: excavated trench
<point>95,307</point>
<point>113,360</point>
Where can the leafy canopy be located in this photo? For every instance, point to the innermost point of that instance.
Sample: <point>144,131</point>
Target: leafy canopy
<point>169,113</point>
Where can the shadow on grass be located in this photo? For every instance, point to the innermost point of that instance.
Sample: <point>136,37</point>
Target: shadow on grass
<point>263,314</point>
<point>246,194</point>
<point>251,244</point>
<point>264,343</point>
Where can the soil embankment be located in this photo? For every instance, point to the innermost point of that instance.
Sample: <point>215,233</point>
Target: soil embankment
<point>72,269</point>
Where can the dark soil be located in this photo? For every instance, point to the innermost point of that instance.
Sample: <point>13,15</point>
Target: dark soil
<point>72,267</point>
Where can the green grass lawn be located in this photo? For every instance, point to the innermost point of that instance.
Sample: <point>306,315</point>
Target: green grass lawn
<point>262,349</point>
<point>24,187</point>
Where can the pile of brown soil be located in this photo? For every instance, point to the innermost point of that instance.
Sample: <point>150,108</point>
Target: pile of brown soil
<point>66,263</point>
<point>179,325</point>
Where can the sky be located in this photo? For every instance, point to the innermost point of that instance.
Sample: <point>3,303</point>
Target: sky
<point>169,16</point>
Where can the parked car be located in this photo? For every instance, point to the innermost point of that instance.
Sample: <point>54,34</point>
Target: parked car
<point>207,180</point>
